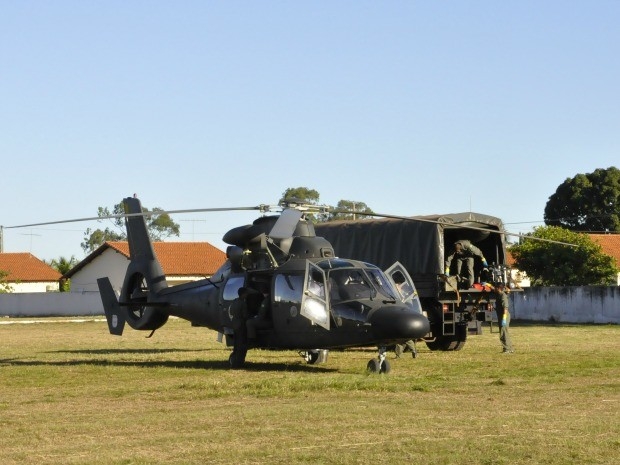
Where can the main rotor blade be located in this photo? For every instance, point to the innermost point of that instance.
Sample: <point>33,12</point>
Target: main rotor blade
<point>261,208</point>
<point>475,228</point>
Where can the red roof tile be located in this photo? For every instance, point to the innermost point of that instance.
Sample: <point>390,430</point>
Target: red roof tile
<point>182,258</point>
<point>610,243</point>
<point>26,268</point>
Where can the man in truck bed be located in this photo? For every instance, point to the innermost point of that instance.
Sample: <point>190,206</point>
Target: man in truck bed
<point>465,253</point>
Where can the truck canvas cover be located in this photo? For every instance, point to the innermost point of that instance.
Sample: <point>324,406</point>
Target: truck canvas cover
<point>418,242</point>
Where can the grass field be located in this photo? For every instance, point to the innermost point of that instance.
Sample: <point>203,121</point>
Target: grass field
<point>72,394</point>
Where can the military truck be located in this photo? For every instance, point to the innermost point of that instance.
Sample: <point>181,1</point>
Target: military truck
<point>422,244</point>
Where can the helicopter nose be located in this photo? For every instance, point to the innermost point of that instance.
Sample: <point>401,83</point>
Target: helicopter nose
<point>395,322</point>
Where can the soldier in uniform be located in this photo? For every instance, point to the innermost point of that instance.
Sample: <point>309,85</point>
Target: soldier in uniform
<point>262,319</point>
<point>502,306</point>
<point>465,253</point>
<point>399,349</point>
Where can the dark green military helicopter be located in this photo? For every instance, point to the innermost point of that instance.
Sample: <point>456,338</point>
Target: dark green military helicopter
<point>281,287</point>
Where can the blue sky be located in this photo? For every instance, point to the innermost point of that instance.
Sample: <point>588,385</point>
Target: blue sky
<point>415,107</point>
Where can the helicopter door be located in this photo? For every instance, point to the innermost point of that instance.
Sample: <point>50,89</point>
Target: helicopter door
<point>403,283</point>
<point>315,301</point>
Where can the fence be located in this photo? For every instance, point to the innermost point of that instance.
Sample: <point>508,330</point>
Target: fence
<point>589,304</point>
<point>35,304</point>
<point>584,304</point>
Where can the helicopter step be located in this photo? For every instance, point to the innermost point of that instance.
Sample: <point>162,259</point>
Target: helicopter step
<point>314,356</point>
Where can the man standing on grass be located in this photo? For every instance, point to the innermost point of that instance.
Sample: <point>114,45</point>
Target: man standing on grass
<point>502,308</point>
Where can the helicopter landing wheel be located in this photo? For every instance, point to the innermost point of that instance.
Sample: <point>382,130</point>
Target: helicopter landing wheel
<point>237,358</point>
<point>378,366</point>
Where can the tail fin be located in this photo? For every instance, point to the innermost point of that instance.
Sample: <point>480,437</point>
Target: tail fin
<point>145,277</point>
<point>141,252</point>
<point>140,246</point>
<point>113,313</point>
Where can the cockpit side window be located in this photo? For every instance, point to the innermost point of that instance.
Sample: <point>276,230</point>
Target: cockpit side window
<point>231,291</point>
<point>382,283</point>
<point>288,288</point>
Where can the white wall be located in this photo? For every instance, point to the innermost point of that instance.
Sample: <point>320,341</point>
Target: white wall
<point>110,263</point>
<point>587,304</point>
<point>593,304</point>
<point>50,304</point>
<point>50,286</point>
<point>113,265</point>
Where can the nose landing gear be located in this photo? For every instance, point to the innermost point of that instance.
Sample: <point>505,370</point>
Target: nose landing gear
<point>379,364</point>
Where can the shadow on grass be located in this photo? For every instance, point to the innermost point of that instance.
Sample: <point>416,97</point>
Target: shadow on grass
<point>183,364</point>
<point>122,351</point>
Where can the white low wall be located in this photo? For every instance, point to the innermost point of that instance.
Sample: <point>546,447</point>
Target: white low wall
<point>590,304</point>
<point>50,304</point>
<point>586,304</point>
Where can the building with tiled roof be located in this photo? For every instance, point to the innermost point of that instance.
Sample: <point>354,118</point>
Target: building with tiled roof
<point>26,273</point>
<point>181,262</point>
<point>610,243</point>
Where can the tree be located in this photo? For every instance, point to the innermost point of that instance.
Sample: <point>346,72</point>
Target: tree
<point>306,196</point>
<point>159,224</point>
<point>63,266</point>
<point>5,286</point>
<point>352,206</point>
<point>311,197</point>
<point>587,202</point>
<point>551,264</point>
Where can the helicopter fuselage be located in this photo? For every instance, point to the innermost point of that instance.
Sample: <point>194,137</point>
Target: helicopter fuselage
<point>351,306</point>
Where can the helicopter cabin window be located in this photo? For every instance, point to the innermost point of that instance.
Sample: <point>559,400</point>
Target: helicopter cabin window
<point>404,288</point>
<point>315,284</point>
<point>231,291</point>
<point>221,273</point>
<point>288,288</point>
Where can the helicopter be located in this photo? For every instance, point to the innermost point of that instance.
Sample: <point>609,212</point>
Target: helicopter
<point>310,300</point>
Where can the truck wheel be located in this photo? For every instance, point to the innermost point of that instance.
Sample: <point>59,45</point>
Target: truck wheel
<point>445,343</point>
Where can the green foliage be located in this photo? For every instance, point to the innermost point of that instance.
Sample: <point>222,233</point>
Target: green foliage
<point>307,196</point>
<point>551,264</point>
<point>159,224</point>
<point>5,286</point>
<point>587,202</point>
<point>350,210</point>
<point>63,266</point>
<point>304,194</point>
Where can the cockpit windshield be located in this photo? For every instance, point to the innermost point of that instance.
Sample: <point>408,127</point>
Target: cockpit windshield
<point>358,284</point>
<point>349,284</point>
<point>382,283</point>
